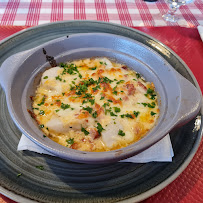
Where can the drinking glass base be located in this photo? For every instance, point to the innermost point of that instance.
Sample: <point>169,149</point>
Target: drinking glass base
<point>171,18</point>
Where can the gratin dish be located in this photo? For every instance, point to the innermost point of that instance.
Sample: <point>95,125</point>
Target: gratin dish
<point>179,100</point>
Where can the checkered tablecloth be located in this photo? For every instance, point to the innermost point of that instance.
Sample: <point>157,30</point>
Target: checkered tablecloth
<point>125,12</point>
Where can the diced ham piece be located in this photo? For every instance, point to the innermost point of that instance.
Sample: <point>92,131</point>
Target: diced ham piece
<point>106,86</point>
<point>99,72</point>
<point>124,67</point>
<point>74,146</point>
<point>99,109</point>
<point>131,89</point>
<point>141,85</point>
<point>125,98</point>
<point>94,133</point>
<point>58,103</point>
<point>32,115</point>
<point>83,114</point>
<point>32,98</point>
<point>137,129</point>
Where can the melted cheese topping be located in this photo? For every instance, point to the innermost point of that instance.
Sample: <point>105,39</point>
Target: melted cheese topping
<point>95,105</point>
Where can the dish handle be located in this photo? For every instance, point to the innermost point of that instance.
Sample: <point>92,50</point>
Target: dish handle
<point>191,101</point>
<point>9,68</point>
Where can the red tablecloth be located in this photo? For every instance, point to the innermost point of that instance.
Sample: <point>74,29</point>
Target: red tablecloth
<point>124,12</point>
<point>186,42</point>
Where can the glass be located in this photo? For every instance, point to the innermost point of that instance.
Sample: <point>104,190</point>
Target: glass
<point>173,7</point>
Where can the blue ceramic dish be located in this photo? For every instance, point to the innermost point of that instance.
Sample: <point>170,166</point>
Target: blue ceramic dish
<point>179,99</point>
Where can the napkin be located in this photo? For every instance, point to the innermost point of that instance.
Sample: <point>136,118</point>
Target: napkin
<point>162,151</point>
<point>200,29</point>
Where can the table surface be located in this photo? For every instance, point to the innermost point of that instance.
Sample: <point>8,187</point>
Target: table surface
<point>125,12</point>
<point>16,15</point>
<point>188,187</point>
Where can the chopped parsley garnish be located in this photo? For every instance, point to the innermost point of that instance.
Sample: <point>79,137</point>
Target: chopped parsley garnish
<point>41,126</point>
<point>121,133</point>
<point>71,69</point>
<point>105,104</point>
<point>63,93</point>
<point>152,113</point>
<point>134,79</point>
<point>78,92</point>
<point>87,95</point>
<point>41,112</point>
<point>101,98</point>
<point>144,104</point>
<point>96,88</point>
<point>71,87</point>
<point>98,81</point>
<point>127,115</point>
<point>99,128</point>
<point>153,96</point>
<point>101,62</point>
<point>92,81</point>
<point>40,167</point>
<point>57,110</point>
<point>45,77</point>
<point>62,65</point>
<point>115,92</point>
<point>94,115</point>
<point>80,76</point>
<point>107,110</point>
<point>151,93</point>
<point>120,81</point>
<point>136,113</point>
<point>83,88</point>
<point>89,109</point>
<point>112,114</point>
<point>65,106</point>
<point>107,80</point>
<point>58,78</point>
<point>42,102</point>
<point>84,131</point>
<point>152,105</point>
<point>115,87</point>
<point>116,109</point>
<point>109,100</point>
<point>138,75</point>
<point>93,68</point>
<point>84,101</point>
<point>44,136</point>
<point>70,141</point>
<point>92,101</point>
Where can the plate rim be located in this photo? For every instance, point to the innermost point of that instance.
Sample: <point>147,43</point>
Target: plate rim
<point>168,180</point>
